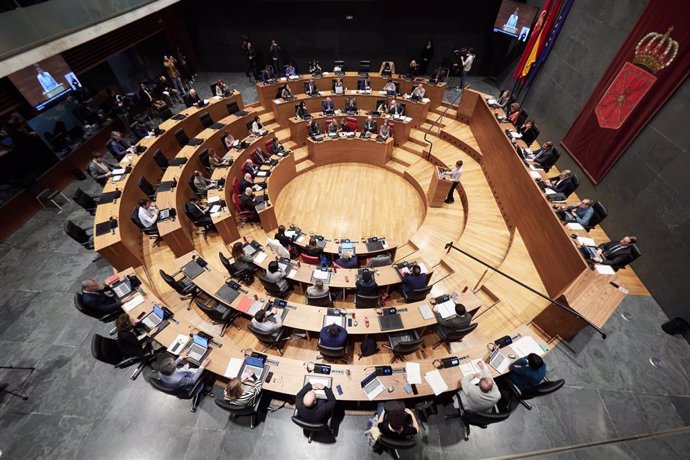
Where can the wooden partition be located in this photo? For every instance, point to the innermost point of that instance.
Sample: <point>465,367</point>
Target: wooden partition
<point>298,128</point>
<point>354,150</point>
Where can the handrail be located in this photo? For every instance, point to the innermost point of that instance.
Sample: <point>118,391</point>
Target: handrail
<point>450,246</point>
<point>431,144</point>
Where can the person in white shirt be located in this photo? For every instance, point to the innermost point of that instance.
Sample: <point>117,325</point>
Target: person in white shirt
<point>454,175</point>
<point>389,86</point>
<point>385,131</point>
<point>317,289</point>
<point>257,127</point>
<point>419,91</point>
<point>465,66</point>
<point>148,213</point>
<point>481,397</point>
<point>201,183</point>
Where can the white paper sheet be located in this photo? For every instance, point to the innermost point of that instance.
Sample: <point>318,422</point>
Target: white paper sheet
<point>233,368</point>
<point>526,345</point>
<point>413,372</point>
<point>320,275</point>
<point>446,309</point>
<point>260,257</point>
<point>584,241</point>
<point>574,226</point>
<point>133,303</point>
<point>436,382</point>
<point>604,269</point>
<point>426,311</point>
<point>535,175</point>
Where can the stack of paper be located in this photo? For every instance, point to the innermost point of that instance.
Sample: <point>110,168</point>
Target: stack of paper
<point>233,368</point>
<point>320,275</point>
<point>213,199</point>
<point>584,241</point>
<point>260,257</point>
<point>574,226</point>
<point>412,370</point>
<point>290,233</point>
<point>491,100</point>
<point>436,382</point>
<point>535,175</point>
<point>133,303</point>
<point>470,367</point>
<point>426,311</point>
<point>526,345</point>
<point>604,269</point>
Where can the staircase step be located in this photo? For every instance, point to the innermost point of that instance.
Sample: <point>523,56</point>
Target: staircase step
<point>414,149</point>
<point>405,157</point>
<point>396,166</point>
<point>300,154</point>
<point>304,166</point>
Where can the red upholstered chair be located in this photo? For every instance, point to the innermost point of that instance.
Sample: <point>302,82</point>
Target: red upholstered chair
<point>351,124</point>
<point>245,216</point>
<point>269,147</point>
<point>311,260</point>
<point>392,125</point>
<point>236,185</point>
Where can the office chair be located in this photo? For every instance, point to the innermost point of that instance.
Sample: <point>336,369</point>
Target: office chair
<point>452,336</point>
<point>236,186</point>
<point>522,117</point>
<point>416,295</point>
<point>107,351</point>
<point>392,445</point>
<point>181,137</point>
<point>151,232</point>
<point>160,160</point>
<point>146,187</point>
<point>311,260</point>
<point>238,411</point>
<point>366,301</point>
<point>205,161</point>
<point>88,311</point>
<point>234,109</point>
<point>78,234</point>
<point>218,313</point>
<point>546,387</point>
<point>268,339</point>
<point>245,216</point>
<point>530,137</point>
<point>194,393</point>
<point>404,343</point>
<point>241,274</point>
<point>273,289</point>
<point>203,226</point>
<point>576,183</point>
<point>332,353</point>
<point>364,68</point>
<point>600,213</point>
<point>45,195</point>
<point>85,201</point>
<point>549,164</point>
<point>196,191</point>
<point>213,89</point>
<point>208,122</point>
<point>184,287</point>
<point>480,419</point>
<point>309,427</point>
<point>351,124</point>
<point>322,301</point>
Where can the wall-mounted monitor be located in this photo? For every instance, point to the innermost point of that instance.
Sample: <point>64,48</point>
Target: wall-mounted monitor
<point>45,81</point>
<point>515,19</point>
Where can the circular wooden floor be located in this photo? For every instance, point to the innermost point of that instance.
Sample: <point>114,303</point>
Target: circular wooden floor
<point>352,200</point>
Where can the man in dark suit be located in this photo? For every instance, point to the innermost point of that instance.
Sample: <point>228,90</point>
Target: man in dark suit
<point>544,156</point>
<point>366,284</point>
<point>369,126</point>
<point>145,95</point>
<point>562,183</point>
<point>199,214</point>
<point>94,296</point>
<point>617,254</point>
<point>247,201</point>
<point>460,321</point>
<point>310,88</point>
<point>333,336</point>
<point>328,107</point>
<point>246,182</point>
<point>311,409</point>
<point>395,108</point>
<point>414,279</point>
<point>192,99</point>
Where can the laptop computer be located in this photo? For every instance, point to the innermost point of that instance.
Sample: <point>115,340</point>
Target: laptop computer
<point>589,252</point>
<point>285,264</point>
<point>249,249</point>
<point>374,245</point>
<point>198,349</point>
<point>122,288</point>
<point>390,322</point>
<point>372,386</point>
<point>227,293</point>
<point>192,269</point>
<point>255,364</point>
<point>390,92</point>
<point>166,214</point>
<point>498,361</point>
<point>329,319</point>
<point>154,318</point>
<point>314,379</point>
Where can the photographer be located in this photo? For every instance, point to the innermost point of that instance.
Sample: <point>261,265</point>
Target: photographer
<point>466,60</point>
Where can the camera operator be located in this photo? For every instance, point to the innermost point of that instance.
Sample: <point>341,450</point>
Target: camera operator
<point>466,60</point>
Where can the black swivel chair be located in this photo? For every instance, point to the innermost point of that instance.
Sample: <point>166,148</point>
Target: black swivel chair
<point>218,313</point>
<point>99,315</point>
<point>366,301</point>
<point>204,226</point>
<point>204,159</point>
<point>392,445</point>
<point>196,191</point>
<point>309,427</point>
<point>146,187</point>
<point>322,301</point>
<point>522,117</point>
<point>151,232</point>
<point>184,287</point>
<point>452,336</point>
<point>273,289</point>
<point>194,393</point>
<point>160,160</point>
<point>269,340</point>
<point>253,410</point>
<point>84,200</point>
<point>480,419</point>
<point>231,268</point>
<point>546,387</point>
<point>416,295</point>
<point>547,165</point>
<point>333,353</point>
<point>78,234</point>
<point>107,350</point>
<point>576,183</point>
<point>600,213</point>
<point>404,343</point>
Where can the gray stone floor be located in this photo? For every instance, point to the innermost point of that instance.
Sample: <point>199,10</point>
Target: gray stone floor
<point>613,401</point>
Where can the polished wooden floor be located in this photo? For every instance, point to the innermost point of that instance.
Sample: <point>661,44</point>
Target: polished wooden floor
<point>352,200</point>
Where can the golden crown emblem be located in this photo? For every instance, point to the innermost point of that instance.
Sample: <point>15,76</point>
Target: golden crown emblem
<point>655,51</point>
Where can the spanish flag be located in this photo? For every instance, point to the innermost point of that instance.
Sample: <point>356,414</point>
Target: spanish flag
<point>535,47</point>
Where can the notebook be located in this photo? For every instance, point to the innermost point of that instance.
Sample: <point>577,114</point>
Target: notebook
<point>192,269</point>
<point>122,288</point>
<point>374,246</point>
<point>389,322</point>
<point>227,293</point>
<point>325,381</point>
<point>328,320</point>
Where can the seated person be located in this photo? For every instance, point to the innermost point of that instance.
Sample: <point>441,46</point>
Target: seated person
<point>413,69</point>
<point>215,160</point>
<point>148,213</point>
<point>229,141</point>
<point>312,249</point>
<point>366,284</point>
<point>140,129</point>
<point>363,84</point>
<point>436,75</point>
<point>276,146</point>
<point>338,87</point>
<point>247,182</point>
<point>267,74</point>
<point>95,297</point>
<point>314,129</point>
<point>310,88</point>
<point>369,126</point>
<point>314,67</point>
<point>202,183</point>
<point>581,212</point>
<point>241,261</point>
<point>384,132</point>
<point>283,239</point>
<point>101,169</point>
<point>247,201</point>
<point>380,260</point>
<point>302,113</point>
<point>389,86</point>
<point>618,254</point>
<point>310,408</point>
<point>398,424</point>
<point>563,183</point>
<point>351,105</point>
<point>175,377</point>
<point>346,260</point>
<point>192,99</point>
<point>290,70</point>
<point>119,146</point>
<point>222,89</point>
<point>127,338</point>
<point>386,70</point>
<point>249,168</point>
<point>528,131</point>
<point>502,100</point>
<point>333,336</point>
<point>242,391</point>
<point>418,92</point>
<point>257,127</point>
<point>527,373</point>
<point>414,279</point>
<point>286,93</point>
<point>317,289</point>
<point>268,322</point>
<point>333,127</point>
<point>395,108</point>
<point>260,157</point>
<point>199,214</point>
<point>460,321</point>
<point>544,155</point>
<point>163,90</point>
<point>327,106</point>
<point>275,274</point>
<point>481,397</point>
<point>513,112</point>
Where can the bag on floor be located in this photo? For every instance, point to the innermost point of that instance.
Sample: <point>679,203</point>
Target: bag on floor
<point>368,348</point>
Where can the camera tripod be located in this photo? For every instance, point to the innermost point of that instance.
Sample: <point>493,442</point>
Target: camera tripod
<point>3,385</point>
